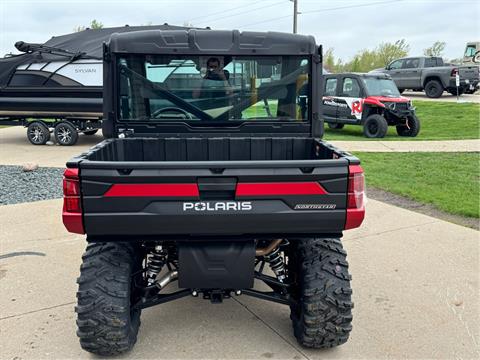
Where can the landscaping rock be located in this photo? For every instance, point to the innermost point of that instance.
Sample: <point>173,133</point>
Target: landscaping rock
<point>19,186</point>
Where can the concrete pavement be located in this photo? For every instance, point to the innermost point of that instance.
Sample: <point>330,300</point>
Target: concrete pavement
<point>15,149</point>
<point>415,95</point>
<point>415,288</point>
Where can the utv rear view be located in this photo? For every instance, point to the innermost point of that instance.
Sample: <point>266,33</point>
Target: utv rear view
<point>214,179</point>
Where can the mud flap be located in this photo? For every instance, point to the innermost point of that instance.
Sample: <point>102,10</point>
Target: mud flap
<point>216,264</point>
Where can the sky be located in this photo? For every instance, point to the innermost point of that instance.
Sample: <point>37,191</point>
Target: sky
<point>346,26</point>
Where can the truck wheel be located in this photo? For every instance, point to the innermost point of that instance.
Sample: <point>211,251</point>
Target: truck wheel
<point>336,126</point>
<point>433,89</point>
<point>375,126</point>
<point>107,325</point>
<point>66,134</point>
<point>322,311</point>
<point>38,133</point>
<point>412,129</point>
<point>90,132</point>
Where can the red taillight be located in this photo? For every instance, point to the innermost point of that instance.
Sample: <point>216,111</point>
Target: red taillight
<point>355,197</point>
<point>71,187</point>
<point>454,72</point>
<point>72,206</point>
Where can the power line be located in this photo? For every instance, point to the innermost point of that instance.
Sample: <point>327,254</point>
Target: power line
<point>244,12</point>
<point>268,20</point>
<point>216,13</point>
<point>350,6</point>
<point>322,10</point>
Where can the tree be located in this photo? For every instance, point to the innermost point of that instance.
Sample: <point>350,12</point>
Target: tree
<point>366,60</point>
<point>436,49</point>
<point>329,60</point>
<point>330,63</point>
<point>387,52</point>
<point>94,24</point>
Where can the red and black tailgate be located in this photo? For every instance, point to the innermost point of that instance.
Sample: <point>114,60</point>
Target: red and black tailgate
<point>214,198</point>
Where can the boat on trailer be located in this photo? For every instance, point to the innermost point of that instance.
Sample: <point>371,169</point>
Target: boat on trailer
<point>56,87</point>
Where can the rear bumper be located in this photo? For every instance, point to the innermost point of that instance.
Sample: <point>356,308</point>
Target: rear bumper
<point>465,84</point>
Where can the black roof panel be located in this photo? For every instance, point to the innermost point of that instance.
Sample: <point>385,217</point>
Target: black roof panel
<point>219,42</point>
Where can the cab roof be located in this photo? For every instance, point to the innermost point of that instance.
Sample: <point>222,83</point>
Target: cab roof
<point>203,41</point>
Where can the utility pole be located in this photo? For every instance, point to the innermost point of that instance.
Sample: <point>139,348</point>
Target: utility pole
<point>295,13</point>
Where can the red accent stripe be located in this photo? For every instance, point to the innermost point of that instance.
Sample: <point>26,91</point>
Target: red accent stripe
<point>279,188</point>
<point>165,190</point>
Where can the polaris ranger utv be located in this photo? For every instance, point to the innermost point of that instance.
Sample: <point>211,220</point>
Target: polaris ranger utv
<point>214,176</point>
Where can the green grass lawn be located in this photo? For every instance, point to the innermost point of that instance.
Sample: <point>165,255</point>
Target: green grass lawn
<point>449,181</point>
<point>438,121</point>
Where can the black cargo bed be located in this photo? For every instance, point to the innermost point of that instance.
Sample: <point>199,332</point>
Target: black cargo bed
<point>210,149</point>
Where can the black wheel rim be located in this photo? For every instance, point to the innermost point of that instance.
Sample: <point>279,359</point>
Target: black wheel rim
<point>37,134</point>
<point>432,89</point>
<point>373,128</point>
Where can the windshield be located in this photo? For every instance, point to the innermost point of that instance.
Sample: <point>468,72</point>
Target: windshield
<point>381,87</point>
<point>213,88</point>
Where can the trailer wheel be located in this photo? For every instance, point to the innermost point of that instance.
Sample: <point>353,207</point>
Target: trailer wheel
<point>411,129</point>
<point>336,126</point>
<point>90,132</point>
<point>66,134</point>
<point>375,126</point>
<point>433,89</point>
<point>38,133</point>
<point>321,312</point>
<point>107,324</point>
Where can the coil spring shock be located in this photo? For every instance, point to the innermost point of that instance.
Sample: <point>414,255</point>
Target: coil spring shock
<point>155,263</point>
<point>276,263</point>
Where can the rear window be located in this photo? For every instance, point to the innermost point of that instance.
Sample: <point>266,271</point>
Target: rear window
<point>214,88</point>
<point>434,61</point>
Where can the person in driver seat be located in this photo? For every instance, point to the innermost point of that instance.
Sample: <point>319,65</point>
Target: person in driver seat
<point>215,83</point>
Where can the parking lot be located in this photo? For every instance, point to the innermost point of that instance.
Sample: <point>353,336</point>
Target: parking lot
<point>415,288</point>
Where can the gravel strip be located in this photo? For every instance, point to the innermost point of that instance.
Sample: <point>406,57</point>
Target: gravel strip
<point>17,186</point>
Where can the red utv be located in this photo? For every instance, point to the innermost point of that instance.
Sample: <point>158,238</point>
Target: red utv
<point>370,100</point>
